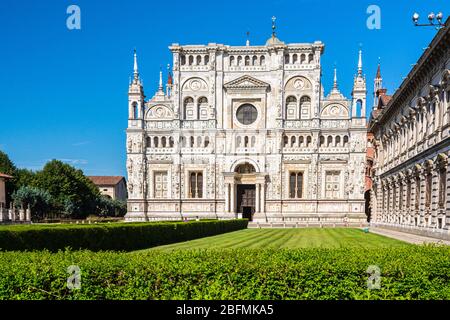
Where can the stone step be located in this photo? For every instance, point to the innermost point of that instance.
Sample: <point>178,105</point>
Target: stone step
<point>256,225</point>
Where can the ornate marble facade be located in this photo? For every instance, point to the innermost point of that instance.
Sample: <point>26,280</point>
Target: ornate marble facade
<point>246,131</point>
<point>410,173</point>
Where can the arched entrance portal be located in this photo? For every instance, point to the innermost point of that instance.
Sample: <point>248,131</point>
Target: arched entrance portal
<point>246,190</point>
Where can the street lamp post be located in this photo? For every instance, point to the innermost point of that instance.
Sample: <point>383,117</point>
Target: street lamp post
<point>435,20</point>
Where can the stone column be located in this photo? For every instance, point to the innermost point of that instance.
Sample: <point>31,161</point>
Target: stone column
<point>233,198</point>
<point>227,197</point>
<point>263,198</point>
<point>21,214</point>
<point>258,189</point>
<point>28,215</point>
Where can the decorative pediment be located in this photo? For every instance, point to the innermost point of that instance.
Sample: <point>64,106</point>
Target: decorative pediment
<point>160,112</point>
<point>246,83</point>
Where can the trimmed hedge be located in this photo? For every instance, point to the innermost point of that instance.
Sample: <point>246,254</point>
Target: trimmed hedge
<point>411,272</point>
<point>118,236</point>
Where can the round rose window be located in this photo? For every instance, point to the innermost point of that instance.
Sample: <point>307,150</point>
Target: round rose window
<point>247,114</point>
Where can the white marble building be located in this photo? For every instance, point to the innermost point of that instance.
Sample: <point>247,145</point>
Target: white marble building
<point>247,131</point>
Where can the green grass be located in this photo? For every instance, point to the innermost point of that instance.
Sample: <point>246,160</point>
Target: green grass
<point>288,239</point>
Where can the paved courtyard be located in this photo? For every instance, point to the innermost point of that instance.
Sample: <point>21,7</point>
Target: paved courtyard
<point>407,237</point>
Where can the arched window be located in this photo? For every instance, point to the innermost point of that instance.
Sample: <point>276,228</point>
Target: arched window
<point>322,141</point>
<point>232,61</point>
<point>285,141</point>
<point>191,60</point>
<point>301,141</point>
<point>292,141</point>
<point>135,111</point>
<point>191,142</point>
<point>245,168</point>
<point>171,143</point>
<point>254,61</point>
<point>247,60</point>
<point>246,142</point>
<point>155,142</point>
<point>286,59</point>
<point>263,61</point>
<point>199,60</point>
<point>310,58</point>
<point>239,60</point>
<point>206,60</point>
<point>329,141</point>
<point>202,105</point>
<point>189,108</point>
<point>163,142</point>
<point>291,99</point>
<point>358,108</point>
<point>308,141</point>
<point>302,58</point>
<point>206,142</point>
<point>345,141</point>
<point>295,58</point>
<point>183,60</point>
<point>337,141</point>
<point>291,107</point>
<point>148,142</point>
<point>305,106</point>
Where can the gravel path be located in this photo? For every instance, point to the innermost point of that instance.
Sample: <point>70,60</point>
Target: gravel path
<point>407,237</point>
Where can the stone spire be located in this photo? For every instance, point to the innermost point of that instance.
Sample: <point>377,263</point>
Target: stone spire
<point>335,85</point>
<point>360,63</point>
<point>335,93</point>
<point>160,88</point>
<point>377,85</point>
<point>136,70</point>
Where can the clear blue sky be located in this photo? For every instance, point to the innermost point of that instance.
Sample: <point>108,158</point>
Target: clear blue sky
<point>63,93</point>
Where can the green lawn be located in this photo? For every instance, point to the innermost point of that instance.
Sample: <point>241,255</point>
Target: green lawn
<point>289,239</point>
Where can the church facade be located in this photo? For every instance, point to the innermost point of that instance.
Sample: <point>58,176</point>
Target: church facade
<point>247,131</point>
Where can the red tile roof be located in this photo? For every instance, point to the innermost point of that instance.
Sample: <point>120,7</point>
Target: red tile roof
<point>2,175</point>
<point>106,180</point>
<point>385,100</point>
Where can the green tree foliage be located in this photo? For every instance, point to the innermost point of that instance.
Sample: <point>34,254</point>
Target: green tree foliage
<point>23,177</point>
<point>107,207</point>
<point>38,200</point>
<point>72,191</point>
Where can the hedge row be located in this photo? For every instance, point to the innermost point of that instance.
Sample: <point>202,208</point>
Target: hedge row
<point>114,236</point>
<point>412,272</point>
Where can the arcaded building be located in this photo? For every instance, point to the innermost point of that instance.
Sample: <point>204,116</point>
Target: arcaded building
<point>410,173</point>
<point>247,131</point>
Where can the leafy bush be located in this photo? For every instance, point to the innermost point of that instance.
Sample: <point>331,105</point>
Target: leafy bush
<point>114,236</point>
<point>410,272</point>
<point>38,200</point>
<point>107,207</point>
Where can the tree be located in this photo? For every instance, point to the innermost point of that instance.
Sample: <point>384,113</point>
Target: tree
<point>37,200</point>
<point>71,190</point>
<point>24,177</point>
<point>8,167</point>
<point>107,207</point>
